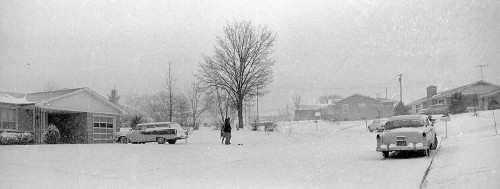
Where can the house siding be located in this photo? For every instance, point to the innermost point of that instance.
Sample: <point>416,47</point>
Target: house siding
<point>372,108</point>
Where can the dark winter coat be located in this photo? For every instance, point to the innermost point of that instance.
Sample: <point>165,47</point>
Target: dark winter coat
<point>227,127</point>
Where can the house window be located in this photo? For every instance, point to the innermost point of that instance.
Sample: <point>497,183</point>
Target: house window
<point>8,117</point>
<point>440,101</point>
<point>345,108</point>
<point>362,106</point>
<point>103,129</point>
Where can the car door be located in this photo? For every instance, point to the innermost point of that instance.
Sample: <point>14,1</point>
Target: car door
<point>136,136</point>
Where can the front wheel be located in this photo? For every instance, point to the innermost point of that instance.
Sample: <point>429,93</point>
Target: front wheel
<point>171,141</point>
<point>123,140</point>
<point>160,140</point>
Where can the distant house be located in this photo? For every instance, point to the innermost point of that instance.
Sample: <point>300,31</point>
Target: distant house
<point>307,112</point>
<point>435,102</point>
<point>81,115</point>
<point>358,107</point>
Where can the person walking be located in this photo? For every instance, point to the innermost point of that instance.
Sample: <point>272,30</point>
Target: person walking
<point>227,131</point>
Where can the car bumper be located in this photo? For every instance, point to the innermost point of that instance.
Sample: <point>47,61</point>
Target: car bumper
<point>410,146</point>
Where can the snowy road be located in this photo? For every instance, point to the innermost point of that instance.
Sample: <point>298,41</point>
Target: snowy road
<point>298,156</point>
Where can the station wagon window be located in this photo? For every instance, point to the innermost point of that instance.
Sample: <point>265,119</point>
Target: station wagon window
<point>103,129</point>
<point>8,118</point>
<point>345,108</point>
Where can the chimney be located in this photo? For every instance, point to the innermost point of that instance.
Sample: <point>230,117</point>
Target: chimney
<point>431,91</point>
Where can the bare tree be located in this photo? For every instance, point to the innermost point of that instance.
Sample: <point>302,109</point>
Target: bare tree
<point>51,86</point>
<point>296,103</point>
<point>219,106</point>
<point>169,85</point>
<point>241,63</point>
<point>194,94</point>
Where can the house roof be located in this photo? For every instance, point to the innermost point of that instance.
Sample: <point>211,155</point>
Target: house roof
<point>419,101</point>
<point>358,95</point>
<point>308,107</point>
<point>43,98</point>
<point>46,96</point>
<point>491,93</point>
<point>459,89</point>
<point>8,99</point>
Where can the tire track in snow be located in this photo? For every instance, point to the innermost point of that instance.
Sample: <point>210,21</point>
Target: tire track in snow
<point>424,179</point>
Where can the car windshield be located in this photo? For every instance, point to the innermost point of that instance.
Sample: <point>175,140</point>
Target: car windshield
<point>403,123</point>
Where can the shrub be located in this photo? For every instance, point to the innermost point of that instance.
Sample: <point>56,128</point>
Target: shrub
<point>52,135</point>
<point>16,138</point>
<point>457,104</point>
<point>400,109</point>
<point>493,104</point>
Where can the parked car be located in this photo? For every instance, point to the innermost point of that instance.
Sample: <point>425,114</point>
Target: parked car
<point>160,132</point>
<point>377,125</point>
<point>407,133</point>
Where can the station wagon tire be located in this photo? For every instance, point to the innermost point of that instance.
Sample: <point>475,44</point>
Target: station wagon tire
<point>160,140</point>
<point>385,154</point>
<point>171,141</point>
<point>123,140</point>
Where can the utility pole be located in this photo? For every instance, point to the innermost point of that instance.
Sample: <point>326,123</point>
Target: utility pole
<point>481,67</point>
<point>400,88</point>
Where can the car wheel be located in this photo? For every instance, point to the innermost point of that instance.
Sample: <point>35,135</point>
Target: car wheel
<point>160,140</point>
<point>123,140</point>
<point>434,146</point>
<point>370,130</point>
<point>385,154</point>
<point>171,141</point>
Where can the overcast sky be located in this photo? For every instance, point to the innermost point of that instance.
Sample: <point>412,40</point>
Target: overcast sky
<point>322,47</point>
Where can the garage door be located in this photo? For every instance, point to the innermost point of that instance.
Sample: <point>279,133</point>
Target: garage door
<point>103,129</point>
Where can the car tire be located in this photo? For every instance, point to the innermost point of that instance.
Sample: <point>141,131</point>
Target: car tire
<point>370,130</point>
<point>123,140</point>
<point>385,154</point>
<point>171,141</point>
<point>434,146</point>
<point>160,140</point>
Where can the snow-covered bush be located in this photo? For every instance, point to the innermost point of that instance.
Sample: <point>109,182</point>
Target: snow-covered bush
<point>52,135</point>
<point>15,138</point>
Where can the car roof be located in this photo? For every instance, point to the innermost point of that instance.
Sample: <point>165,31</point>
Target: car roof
<point>155,123</point>
<point>407,117</point>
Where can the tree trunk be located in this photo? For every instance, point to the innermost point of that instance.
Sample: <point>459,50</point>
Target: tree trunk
<point>240,114</point>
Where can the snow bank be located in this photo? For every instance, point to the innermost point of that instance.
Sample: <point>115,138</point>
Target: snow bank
<point>469,157</point>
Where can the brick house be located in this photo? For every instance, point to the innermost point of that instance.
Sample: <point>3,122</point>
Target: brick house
<point>476,95</point>
<point>358,107</point>
<point>80,114</point>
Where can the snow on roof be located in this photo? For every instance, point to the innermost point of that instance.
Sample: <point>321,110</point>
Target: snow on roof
<point>8,99</point>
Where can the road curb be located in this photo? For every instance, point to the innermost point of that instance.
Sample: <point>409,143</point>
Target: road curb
<point>424,179</point>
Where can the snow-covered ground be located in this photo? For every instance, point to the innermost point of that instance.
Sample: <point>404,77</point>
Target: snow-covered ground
<point>297,156</point>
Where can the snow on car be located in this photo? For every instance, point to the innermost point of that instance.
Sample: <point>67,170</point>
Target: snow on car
<point>160,132</point>
<point>407,133</point>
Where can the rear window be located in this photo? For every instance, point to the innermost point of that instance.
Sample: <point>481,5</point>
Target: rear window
<point>403,123</point>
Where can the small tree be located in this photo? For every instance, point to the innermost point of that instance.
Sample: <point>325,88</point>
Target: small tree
<point>493,104</point>
<point>113,96</point>
<point>135,121</point>
<point>457,104</point>
<point>400,109</point>
<point>52,135</point>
